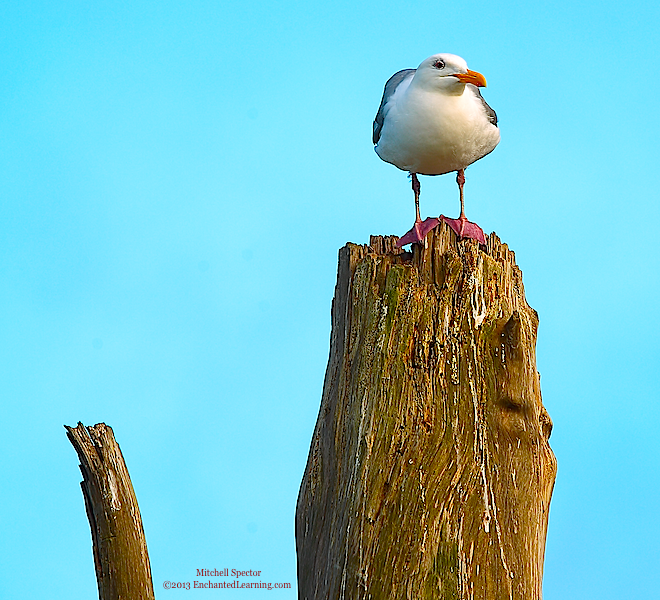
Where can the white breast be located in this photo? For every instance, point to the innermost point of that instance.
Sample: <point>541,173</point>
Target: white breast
<point>432,133</point>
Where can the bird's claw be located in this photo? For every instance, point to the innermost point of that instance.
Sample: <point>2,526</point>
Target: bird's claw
<point>418,232</point>
<point>465,229</point>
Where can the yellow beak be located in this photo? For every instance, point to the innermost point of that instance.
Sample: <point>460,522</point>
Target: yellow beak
<point>471,77</point>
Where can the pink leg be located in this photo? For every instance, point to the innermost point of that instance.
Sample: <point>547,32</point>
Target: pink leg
<point>417,188</point>
<point>460,180</point>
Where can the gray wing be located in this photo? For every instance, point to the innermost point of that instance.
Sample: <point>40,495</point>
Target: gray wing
<point>390,87</point>
<point>492,116</point>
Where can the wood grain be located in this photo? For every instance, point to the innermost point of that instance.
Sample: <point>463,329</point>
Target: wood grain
<point>429,473</point>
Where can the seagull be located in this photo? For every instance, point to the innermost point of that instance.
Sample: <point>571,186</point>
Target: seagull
<point>432,120</point>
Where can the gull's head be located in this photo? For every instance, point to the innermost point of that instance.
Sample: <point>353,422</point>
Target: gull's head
<point>448,73</point>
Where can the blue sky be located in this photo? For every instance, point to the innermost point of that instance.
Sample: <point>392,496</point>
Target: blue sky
<point>176,179</point>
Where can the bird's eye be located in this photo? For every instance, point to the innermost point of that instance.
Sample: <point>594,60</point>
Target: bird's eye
<point>439,64</point>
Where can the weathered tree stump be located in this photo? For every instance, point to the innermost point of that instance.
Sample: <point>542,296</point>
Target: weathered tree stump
<point>429,473</point>
<point>120,549</point>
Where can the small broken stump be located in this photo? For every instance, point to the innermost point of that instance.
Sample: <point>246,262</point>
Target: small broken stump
<point>121,559</point>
